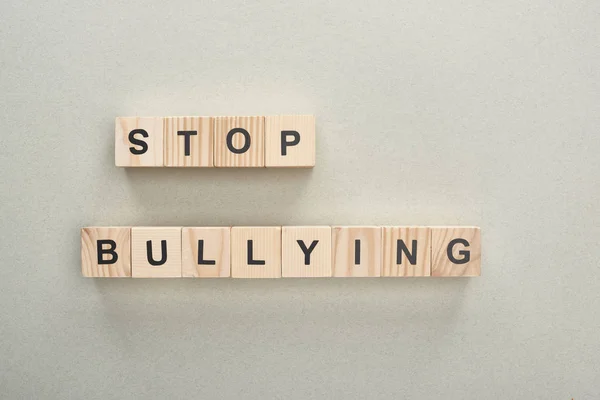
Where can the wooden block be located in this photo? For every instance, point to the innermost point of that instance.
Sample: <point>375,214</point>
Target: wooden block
<point>406,251</point>
<point>188,142</point>
<point>239,141</point>
<point>256,252</point>
<point>205,252</point>
<point>106,252</point>
<point>290,141</point>
<point>156,252</point>
<point>139,142</point>
<point>456,251</point>
<point>306,251</point>
<point>357,251</point>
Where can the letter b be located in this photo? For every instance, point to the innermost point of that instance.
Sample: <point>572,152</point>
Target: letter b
<point>101,251</point>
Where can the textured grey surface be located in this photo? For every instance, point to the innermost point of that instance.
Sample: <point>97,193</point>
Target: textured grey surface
<point>444,112</point>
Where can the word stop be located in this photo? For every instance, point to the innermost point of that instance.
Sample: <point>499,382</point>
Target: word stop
<point>271,141</point>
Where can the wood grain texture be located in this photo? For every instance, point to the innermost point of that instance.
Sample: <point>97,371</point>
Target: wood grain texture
<point>141,267</point>
<point>254,156</point>
<point>215,247</point>
<point>301,155</point>
<point>344,251</point>
<point>293,259</point>
<point>201,143</point>
<point>90,266</point>
<point>266,245</point>
<point>153,157</point>
<point>408,234</point>
<point>462,243</point>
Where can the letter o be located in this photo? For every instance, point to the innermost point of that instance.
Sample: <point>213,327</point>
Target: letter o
<point>247,139</point>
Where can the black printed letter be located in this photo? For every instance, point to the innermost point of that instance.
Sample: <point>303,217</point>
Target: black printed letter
<point>138,142</point>
<point>401,248</point>
<point>465,253</point>
<point>247,140</point>
<point>357,252</point>
<point>163,256</point>
<point>251,260</point>
<point>285,143</point>
<point>114,256</point>
<point>187,135</point>
<point>201,260</point>
<point>307,251</point>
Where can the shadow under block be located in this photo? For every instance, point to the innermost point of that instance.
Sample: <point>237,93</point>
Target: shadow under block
<point>306,251</point>
<point>290,141</point>
<point>156,252</point>
<point>357,251</point>
<point>188,142</point>
<point>256,252</point>
<point>139,142</point>
<point>205,252</point>
<point>106,252</point>
<point>456,251</point>
<point>239,141</point>
<point>406,251</point>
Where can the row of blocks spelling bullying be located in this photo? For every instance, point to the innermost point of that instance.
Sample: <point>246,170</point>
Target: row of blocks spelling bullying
<point>275,252</point>
<point>271,141</point>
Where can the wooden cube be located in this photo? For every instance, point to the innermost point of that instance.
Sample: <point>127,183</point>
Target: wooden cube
<point>406,251</point>
<point>256,252</point>
<point>357,251</point>
<point>156,252</point>
<point>306,251</point>
<point>239,141</point>
<point>188,142</point>
<point>139,142</point>
<point>290,141</point>
<point>205,252</point>
<point>456,251</point>
<point>106,252</point>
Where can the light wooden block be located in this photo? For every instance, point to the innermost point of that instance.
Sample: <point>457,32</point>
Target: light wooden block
<point>106,252</point>
<point>456,251</point>
<point>205,252</point>
<point>188,142</point>
<point>290,141</point>
<point>246,136</point>
<point>357,251</point>
<point>139,142</point>
<point>306,251</point>
<point>168,262</point>
<point>264,258</point>
<point>406,251</point>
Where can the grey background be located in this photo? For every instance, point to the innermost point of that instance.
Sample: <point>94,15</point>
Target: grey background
<point>435,112</point>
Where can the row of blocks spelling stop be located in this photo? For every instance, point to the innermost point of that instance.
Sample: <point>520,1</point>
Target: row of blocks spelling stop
<point>275,252</point>
<point>271,141</point>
